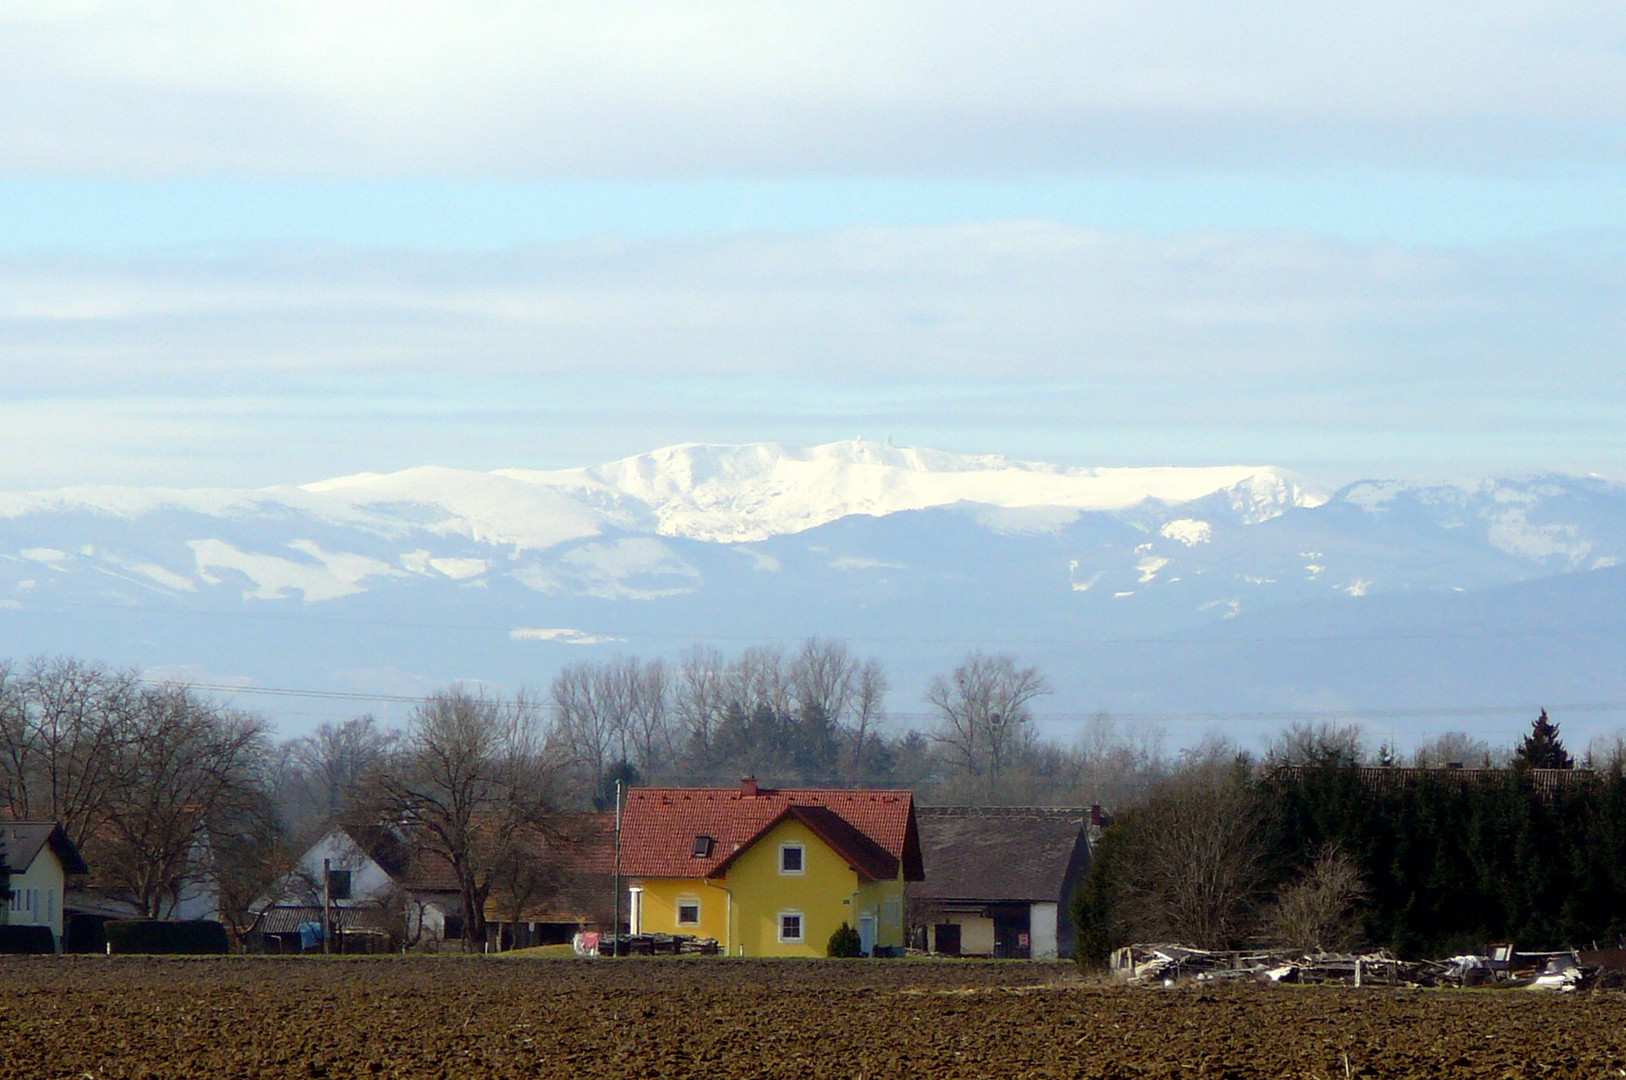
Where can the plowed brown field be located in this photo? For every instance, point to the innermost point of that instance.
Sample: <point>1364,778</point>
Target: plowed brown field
<point>98,1017</point>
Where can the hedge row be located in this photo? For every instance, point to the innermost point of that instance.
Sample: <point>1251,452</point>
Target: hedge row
<point>155,936</point>
<point>26,939</point>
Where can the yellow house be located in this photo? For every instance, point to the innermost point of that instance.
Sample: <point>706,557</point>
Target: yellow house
<point>39,856</point>
<point>769,871</point>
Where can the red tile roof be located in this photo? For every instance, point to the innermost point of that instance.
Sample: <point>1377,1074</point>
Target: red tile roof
<point>874,830</point>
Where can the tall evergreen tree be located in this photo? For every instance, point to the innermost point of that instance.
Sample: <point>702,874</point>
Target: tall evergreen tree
<point>1541,748</point>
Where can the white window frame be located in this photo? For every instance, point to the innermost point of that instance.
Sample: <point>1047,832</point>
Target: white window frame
<point>801,859</point>
<point>682,902</point>
<point>801,927</point>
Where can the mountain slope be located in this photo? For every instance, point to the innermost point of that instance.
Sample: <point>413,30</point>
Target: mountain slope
<point>1142,590</point>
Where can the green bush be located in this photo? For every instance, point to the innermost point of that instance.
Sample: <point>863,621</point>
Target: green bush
<point>157,936</point>
<point>844,942</point>
<point>26,939</point>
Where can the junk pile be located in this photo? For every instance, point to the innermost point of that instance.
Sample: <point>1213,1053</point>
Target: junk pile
<point>655,945</point>
<point>1566,971</point>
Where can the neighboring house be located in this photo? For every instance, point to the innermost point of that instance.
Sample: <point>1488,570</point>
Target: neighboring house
<point>375,885</point>
<point>1000,879</point>
<point>191,891</point>
<point>40,857</point>
<point>573,890</point>
<point>769,872</point>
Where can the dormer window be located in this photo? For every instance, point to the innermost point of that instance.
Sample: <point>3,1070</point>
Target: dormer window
<point>791,859</point>
<point>703,846</point>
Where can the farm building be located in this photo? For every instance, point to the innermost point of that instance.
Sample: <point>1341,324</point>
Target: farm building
<point>39,857</point>
<point>769,871</point>
<point>376,886</point>
<point>1000,879</point>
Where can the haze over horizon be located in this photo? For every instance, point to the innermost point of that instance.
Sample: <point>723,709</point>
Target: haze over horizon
<point>243,247</point>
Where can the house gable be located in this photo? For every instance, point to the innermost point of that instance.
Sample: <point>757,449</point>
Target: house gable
<point>691,832</point>
<point>820,894</point>
<point>861,854</point>
<point>40,857</point>
<point>370,884</point>
<point>713,862</point>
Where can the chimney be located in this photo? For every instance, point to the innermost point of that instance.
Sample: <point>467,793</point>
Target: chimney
<point>1096,816</point>
<point>748,787</point>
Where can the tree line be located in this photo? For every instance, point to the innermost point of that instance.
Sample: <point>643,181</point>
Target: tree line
<point>169,793</point>
<point>172,796</point>
<point>1323,846</point>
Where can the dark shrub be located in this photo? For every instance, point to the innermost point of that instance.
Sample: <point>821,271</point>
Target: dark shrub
<point>844,942</point>
<point>85,934</point>
<point>156,936</point>
<point>27,939</point>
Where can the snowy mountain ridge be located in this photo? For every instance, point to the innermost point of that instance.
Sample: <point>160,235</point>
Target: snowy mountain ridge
<point>384,582</point>
<point>721,494</point>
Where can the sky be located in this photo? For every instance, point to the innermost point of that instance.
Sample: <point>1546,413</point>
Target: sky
<point>244,245</point>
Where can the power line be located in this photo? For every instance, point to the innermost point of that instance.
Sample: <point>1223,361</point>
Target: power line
<point>1218,641</point>
<point>1239,717</point>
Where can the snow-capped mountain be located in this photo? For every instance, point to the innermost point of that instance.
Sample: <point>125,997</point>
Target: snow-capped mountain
<point>1127,585</point>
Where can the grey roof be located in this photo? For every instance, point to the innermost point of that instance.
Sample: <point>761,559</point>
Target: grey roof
<point>287,920</point>
<point>999,853</point>
<point>24,840</point>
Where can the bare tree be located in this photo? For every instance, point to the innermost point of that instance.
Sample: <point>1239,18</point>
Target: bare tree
<point>1193,861</point>
<point>700,700</point>
<point>472,781</point>
<point>758,679</point>
<point>63,723</point>
<point>649,725</point>
<point>330,765</point>
<point>591,711</point>
<point>984,720</point>
<point>1320,909</point>
<point>1121,761</point>
<point>824,676</point>
<point>190,800</point>
<point>868,710</point>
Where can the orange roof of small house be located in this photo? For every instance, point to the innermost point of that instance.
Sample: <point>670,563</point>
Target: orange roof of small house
<point>873,830</point>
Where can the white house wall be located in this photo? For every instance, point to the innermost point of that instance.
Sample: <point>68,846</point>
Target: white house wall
<point>1042,923</point>
<point>36,894</point>
<point>370,886</point>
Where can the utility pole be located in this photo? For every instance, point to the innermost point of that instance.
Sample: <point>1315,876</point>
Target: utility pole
<point>327,906</point>
<point>616,919</point>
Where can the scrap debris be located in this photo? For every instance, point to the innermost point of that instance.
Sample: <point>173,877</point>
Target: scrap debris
<point>1563,971</point>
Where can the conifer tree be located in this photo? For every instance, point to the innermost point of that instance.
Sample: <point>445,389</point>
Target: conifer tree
<point>1541,748</point>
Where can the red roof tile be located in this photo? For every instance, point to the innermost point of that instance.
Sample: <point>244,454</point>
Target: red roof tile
<point>875,830</point>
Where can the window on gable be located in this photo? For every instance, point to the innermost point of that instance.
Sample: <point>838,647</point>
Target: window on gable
<point>790,927</point>
<point>338,884</point>
<point>688,912</point>
<point>703,846</point>
<point>791,859</point>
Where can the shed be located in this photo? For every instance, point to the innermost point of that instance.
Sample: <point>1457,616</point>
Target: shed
<point>998,879</point>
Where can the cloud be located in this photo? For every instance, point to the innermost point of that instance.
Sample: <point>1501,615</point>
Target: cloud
<point>1027,338</point>
<point>1029,302</point>
<point>634,90</point>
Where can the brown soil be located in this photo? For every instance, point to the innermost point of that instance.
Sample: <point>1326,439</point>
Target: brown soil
<point>100,1017</point>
